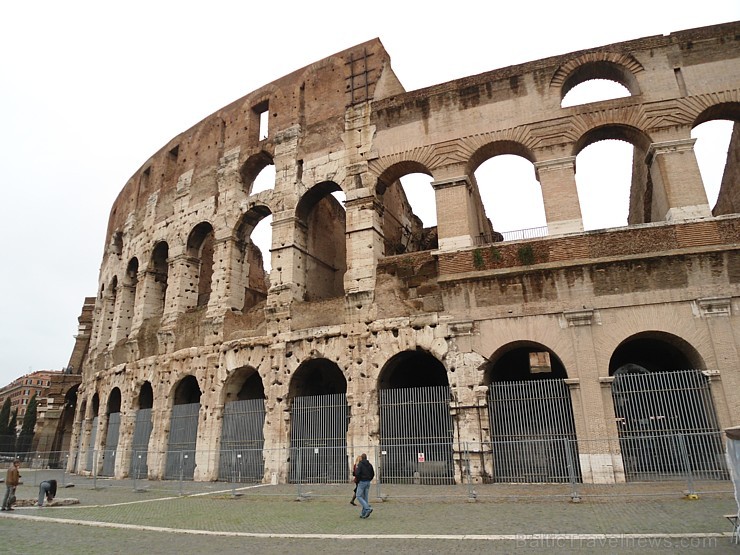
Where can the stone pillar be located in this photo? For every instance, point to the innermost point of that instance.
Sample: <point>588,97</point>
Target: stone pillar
<point>592,430</point>
<point>125,300</point>
<point>678,190</point>
<point>559,194</point>
<point>149,302</point>
<point>125,438</point>
<point>100,437</point>
<point>182,290</point>
<point>455,206</point>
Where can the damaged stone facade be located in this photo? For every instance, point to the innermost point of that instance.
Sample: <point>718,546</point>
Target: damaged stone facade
<point>182,289</point>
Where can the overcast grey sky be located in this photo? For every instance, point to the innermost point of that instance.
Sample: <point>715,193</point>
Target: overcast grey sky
<point>89,90</point>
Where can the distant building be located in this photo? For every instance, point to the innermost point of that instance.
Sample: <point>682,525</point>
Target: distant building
<point>22,389</point>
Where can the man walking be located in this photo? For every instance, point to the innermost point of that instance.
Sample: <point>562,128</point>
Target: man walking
<point>364,473</point>
<point>12,478</point>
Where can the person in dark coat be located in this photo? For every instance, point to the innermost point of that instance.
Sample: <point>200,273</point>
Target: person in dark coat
<point>364,473</point>
<point>48,490</point>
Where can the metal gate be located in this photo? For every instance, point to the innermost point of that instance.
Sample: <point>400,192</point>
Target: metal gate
<point>667,426</point>
<point>242,440</point>
<point>533,437</point>
<point>318,439</point>
<point>140,443</point>
<point>111,444</point>
<point>91,446</point>
<point>416,435</point>
<point>183,437</point>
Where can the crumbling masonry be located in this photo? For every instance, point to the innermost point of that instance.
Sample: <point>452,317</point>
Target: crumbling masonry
<point>360,299</point>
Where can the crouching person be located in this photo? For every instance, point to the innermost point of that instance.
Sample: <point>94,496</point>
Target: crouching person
<point>47,490</point>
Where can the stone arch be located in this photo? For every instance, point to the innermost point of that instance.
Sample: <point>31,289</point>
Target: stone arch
<point>200,246</point>
<point>321,234</point>
<point>159,271</point>
<point>183,436</point>
<point>494,199</point>
<point>654,351</point>
<point>241,457</point>
<point>728,197</point>
<point>111,432</point>
<point>523,361</point>
<point>618,67</point>
<point>250,260</point>
<point>403,230</point>
<point>317,376</point>
<point>252,167</point>
<point>642,207</point>
<point>413,368</point>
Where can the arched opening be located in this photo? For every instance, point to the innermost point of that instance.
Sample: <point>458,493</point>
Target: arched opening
<point>183,429</point>
<point>128,299</point>
<point>533,436</point>
<point>112,432</point>
<point>200,247</point>
<point>142,431</point>
<point>409,209</point>
<point>416,429</point>
<point>596,81</point>
<point>63,434</point>
<point>322,222</point>
<point>242,434</point>
<point>258,173</point>
<point>509,191</point>
<point>319,417</point>
<point>159,269</point>
<point>92,454</point>
<point>254,238</point>
<point>717,150</point>
<point>664,410</point>
<point>612,179</point>
<point>594,90</point>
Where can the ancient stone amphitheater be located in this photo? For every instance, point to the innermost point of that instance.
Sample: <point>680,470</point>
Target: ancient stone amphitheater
<point>447,353</point>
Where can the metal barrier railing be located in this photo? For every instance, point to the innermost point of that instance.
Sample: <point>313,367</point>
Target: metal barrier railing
<point>591,466</point>
<point>514,235</point>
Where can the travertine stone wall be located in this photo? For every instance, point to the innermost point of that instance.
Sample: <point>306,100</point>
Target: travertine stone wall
<point>358,285</point>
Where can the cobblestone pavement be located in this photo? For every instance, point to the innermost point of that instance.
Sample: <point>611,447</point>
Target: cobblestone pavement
<point>174,517</point>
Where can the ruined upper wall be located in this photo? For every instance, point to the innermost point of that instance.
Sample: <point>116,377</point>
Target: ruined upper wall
<point>314,98</point>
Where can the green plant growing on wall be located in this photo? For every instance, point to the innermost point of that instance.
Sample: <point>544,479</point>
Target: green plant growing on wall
<point>478,260</point>
<point>496,255</point>
<point>526,255</point>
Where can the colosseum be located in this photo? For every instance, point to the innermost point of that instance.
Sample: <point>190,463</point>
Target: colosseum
<point>448,353</point>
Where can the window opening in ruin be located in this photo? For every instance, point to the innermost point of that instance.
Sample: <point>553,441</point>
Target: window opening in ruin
<point>254,241</point>
<point>416,428</point>
<point>258,173</point>
<point>655,352</point>
<point>262,119</point>
<point>409,211</point>
<point>511,197</point>
<point>594,90</point>
<point>128,298</point>
<point>524,362</point>
<point>200,247</point>
<point>241,458</point>
<point>323,220</point>
<point>265,180</point>
<point>712,150</point>
<point>319,418</point>
<point>603,181</point>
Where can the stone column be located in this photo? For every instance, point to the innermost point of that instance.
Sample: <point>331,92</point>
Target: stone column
<point>182,290</point>
<point>678,190</point>
<point>149,302</point>
<point>123,312</point>
<point>589,415</point>
<point>455,205</point>
<point>557,178</point>
<point>125,438</point>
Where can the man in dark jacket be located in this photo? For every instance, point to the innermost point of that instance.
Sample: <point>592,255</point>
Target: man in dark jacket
<point>12,479</point>
<point>364,473</point>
